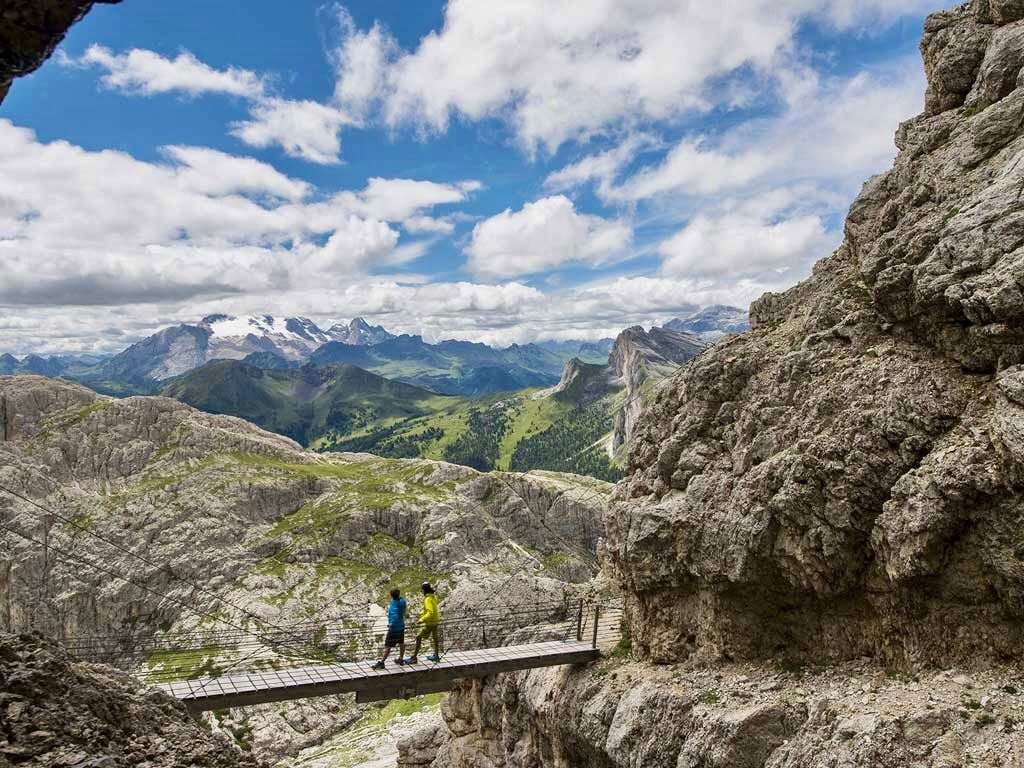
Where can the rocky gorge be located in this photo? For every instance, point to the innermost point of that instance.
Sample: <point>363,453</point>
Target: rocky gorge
<point>145,517</point>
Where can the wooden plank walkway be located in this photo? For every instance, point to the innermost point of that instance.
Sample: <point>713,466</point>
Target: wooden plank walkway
<point>244,689</point>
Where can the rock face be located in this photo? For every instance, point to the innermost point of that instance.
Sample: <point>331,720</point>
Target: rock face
<point>280,533</point>
<point>30,30</point>
<point>630,715</point>
<point>55,712</point>
<point>842,481</point>
<point>845,479</point>
<point>637,361</point>
<point>168,353</point>
<point>583,382</point>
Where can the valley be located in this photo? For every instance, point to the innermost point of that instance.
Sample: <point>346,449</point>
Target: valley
<point>358,388</point>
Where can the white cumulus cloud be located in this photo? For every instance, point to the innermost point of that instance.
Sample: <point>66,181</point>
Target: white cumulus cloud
<point>543,235</point>
<point>305,129</point>
<point>594,66</point>
<point>302,128</point>
<point>736,245</point>
<point>79,227</point>
<point>145,72</point>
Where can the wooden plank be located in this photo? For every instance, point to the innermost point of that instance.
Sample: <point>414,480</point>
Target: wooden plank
<point>371,685</point>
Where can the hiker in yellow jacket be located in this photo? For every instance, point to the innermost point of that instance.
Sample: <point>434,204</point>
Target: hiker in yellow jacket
<point>430,618</point>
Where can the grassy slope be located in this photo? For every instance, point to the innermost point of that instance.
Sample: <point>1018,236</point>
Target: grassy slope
<point>303,404</point>
<point>532,416</point>
<point>344,408</point>
<point>526,414</point>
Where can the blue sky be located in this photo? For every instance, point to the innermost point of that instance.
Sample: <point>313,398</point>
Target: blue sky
<point>453,169</point>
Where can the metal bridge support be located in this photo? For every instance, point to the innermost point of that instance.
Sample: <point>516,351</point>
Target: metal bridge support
<point>597,615</point>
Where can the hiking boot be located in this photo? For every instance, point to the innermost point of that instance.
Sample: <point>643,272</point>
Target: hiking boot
<point>410,660</point>
<point>433,657</point>
<point>378,665</point>
<point>400,662</point>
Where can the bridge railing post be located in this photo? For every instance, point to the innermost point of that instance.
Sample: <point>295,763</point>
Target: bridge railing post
<point>597,616</point>
<point>579,622</point>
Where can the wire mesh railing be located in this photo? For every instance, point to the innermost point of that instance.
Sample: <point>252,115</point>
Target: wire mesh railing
<point>210,654</point>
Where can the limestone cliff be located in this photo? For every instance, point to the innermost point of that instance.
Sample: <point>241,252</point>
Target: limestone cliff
<point>844,480</point>
<point>820,540</point>
<point>639,359</point>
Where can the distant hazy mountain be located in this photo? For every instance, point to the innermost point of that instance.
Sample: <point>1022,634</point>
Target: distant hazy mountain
<point>9,364</point>
<point>449,367</point>
<point>712,323</point>
<point>584,351</point>
<point>264,341</point>
<point>52,366</point>
<point>165,354</point>
<point>182,348</point>
<point>302,403</point>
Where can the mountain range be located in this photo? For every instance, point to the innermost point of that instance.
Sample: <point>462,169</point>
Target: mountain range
<point>583,424</point>
<point>447,367</point>
<point>712,323</point>
<point>565,405</point>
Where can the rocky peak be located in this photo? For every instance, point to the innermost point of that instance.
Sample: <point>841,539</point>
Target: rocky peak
<point>358,332</point>
<point>8,364</point>
<point>636,348</point>
<point>168,352</point>
<point>582,382</point>
<point>42,365</point>
<point>937,240</point>
<point>639,356</point>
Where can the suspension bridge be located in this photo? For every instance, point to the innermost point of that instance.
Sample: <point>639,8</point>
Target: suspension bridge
<point>219,670</point>
<point>255,661</point>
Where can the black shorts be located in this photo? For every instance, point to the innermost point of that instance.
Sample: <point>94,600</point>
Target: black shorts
<point>395,637</point>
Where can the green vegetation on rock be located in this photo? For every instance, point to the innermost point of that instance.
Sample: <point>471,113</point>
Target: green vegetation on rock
<point>574,443</point>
